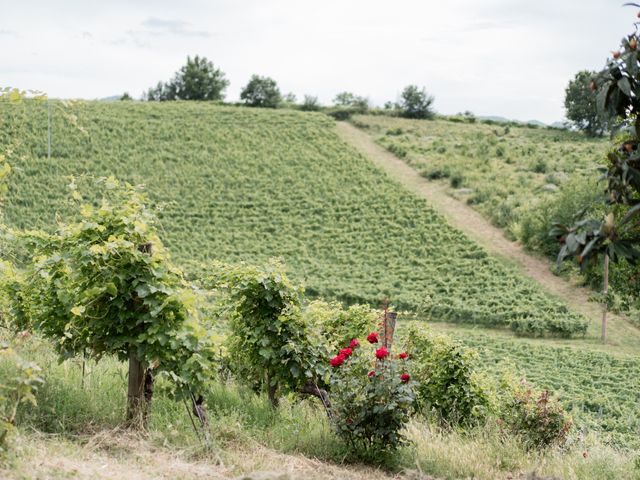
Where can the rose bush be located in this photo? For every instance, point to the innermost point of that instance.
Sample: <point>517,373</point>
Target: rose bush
<point>372,398</point>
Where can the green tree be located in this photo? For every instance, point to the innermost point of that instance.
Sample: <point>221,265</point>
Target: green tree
<point>416,103</point>
<point>198,79</point>
<point>580,104</point>
<point>348,99</point>
<point>615,236</point>
<point>261,92</point>
<point>105,286</point>
<point>310,104</point>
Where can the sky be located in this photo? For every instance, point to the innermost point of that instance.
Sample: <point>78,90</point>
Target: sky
<point>509,58</point>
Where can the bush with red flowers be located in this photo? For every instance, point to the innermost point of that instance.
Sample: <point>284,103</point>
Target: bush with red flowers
<point>372,398</point>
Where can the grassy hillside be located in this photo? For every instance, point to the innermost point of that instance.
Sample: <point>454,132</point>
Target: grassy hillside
<point>501,170</point>
<point>241,184</point>
<point>600,390</point>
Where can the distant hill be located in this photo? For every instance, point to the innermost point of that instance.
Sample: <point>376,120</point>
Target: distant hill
<point>499,119</point>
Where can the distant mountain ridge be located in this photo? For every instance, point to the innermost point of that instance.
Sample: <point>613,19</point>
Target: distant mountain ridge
<point>497,118</point>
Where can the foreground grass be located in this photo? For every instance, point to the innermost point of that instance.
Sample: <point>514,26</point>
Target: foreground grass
<point>76,431</point>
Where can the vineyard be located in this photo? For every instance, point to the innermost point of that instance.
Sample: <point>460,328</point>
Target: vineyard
<point>502,170</point>
<point>240,184</point>
<point>600,390</point>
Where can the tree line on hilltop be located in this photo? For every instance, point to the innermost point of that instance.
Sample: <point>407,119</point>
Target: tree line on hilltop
<point>200,79</point>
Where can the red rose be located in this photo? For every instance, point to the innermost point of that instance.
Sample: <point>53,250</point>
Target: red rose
<point>346,352</point>
<point>403,355</point>
<point>349,421</point>
<point>372,337</point>
<point>354,343</point>
<point>381,353</point>
<point>405,377</point>
<point>337,360</point>
<point>372,373</point>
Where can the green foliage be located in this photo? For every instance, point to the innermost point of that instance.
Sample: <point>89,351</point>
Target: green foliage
<point>449,384</point>
<point>16,388</point>
<point>577,194</point>
<point>415,102</point>
<point>533,415</point>
<point>308,197</point>
<point>580,104</point>
<point>351,101</point>
<point>104,286</point>
<point>126,97</point>
<point>339,325</point>
<point>597,388</point>
<point>371,409</point>
<point>310,104</point>
<point>198,79</point>
<point>616,235</point>
<point>261,92</point>
<point>270,343</point>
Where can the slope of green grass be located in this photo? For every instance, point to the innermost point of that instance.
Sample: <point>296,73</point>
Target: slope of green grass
<point>503,171</point>
<point>602,391</point>
<point>242,184</point>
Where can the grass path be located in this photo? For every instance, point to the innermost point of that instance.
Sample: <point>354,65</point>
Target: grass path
<point>621,333</point>
<point>118,454</point>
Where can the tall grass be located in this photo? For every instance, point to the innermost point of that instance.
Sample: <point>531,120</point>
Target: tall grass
<point>243,421</point>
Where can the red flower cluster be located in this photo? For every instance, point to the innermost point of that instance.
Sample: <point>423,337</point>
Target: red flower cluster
<point>344,354</point>
<point>382,353</point>
<point>337,360</point>
<point>405,377</point>
<point>372,373</point>
<point>372,337</point>
<point>403,355</point>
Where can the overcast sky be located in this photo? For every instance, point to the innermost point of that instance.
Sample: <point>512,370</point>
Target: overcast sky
<point>493,57</point>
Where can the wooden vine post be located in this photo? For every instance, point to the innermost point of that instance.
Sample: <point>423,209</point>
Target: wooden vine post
<point>140,384</point>
<point>387,328</point>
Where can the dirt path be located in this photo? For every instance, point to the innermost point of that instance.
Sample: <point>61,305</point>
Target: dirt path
<point>476,227</point>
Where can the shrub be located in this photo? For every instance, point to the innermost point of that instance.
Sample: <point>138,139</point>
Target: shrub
<point>337,325</point>
<point>371,400</point>
<point>416,103</point>
<point>18,386</point>
<point>398,150</point>
<point>536,221</point>
<point>347,99</point>
<point>533,415</point>
<point>271,344</point>
<point>448,383</point>
<point>342,113</point>
<point>310,104</point>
